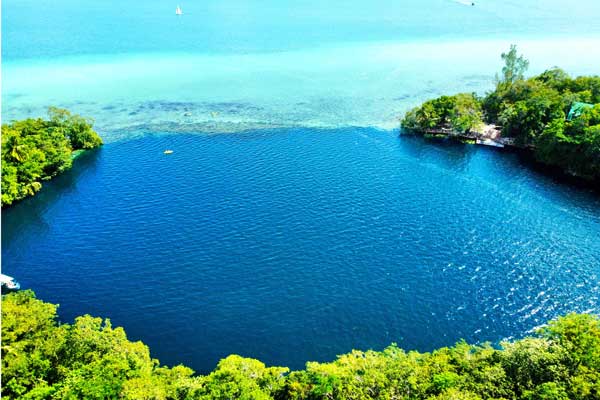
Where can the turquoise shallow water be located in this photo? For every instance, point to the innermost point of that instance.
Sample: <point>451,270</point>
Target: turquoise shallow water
<point>46,29</point>
<point>230,66</point>
<point>309,228</point>
<point>347,84</point>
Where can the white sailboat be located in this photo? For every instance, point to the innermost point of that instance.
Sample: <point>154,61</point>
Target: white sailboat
<point>178,11</point>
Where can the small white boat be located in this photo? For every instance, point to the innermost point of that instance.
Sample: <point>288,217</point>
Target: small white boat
<point>9,283</point>
<point>178,11</point>
<point>489,142</point>
<point>168,152</point>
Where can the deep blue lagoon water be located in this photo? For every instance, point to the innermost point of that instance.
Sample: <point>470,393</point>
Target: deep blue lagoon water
<point>292,222</point>
<point>300,244</point>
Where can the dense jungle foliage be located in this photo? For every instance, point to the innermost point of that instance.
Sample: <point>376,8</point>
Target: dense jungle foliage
<point>34,150</point>
<point>90,359</point>
<point>534,111</point>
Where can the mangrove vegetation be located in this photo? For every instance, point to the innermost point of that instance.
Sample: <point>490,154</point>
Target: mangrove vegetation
<point>91,359</point>
<point>34,150</point>
<point>553,115</point>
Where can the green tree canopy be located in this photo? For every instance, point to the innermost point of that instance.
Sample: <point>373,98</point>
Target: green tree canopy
<point>91,359</point>
<point>459,113</point>
<point>34,150</point>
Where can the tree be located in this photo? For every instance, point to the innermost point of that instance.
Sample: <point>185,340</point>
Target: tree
<point>514,67</point>
<point>466,115</point>
<point>461,113</point>
<point>242,378</point>
<point>34,150</point>
<point>76,128</point>
<point>30,340</point>
<point>579,334</point>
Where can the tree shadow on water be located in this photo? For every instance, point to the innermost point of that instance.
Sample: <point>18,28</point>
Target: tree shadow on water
<point>444,152</point>
<point>31,212</point>
<point>516,169</point>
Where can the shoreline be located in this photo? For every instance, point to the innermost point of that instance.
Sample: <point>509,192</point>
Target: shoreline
<point>524,154</point>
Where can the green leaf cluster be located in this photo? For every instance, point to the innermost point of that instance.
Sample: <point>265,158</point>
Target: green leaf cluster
<point>90,359</point>
<point>34,150</point>
<point>459,113</point>
<point>514,68</point>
